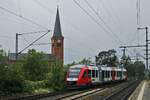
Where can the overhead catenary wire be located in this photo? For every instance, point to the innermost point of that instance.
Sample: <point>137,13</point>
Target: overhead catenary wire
<point>22,17</point>
<point>115,15</point>
<point>29,33</point>
<point>17,22</point>
<point>43,6</point>
<point>42,44</point>
<point>32,32</point>
<point>93,19</point>
<point>33,42</point>
<point>114,20</point>
<point>19,7</point>
<point>103,21</point>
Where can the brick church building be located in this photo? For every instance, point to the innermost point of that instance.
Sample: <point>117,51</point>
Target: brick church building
<point>57,45</point>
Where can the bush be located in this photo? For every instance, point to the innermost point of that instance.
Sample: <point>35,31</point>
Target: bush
<point>56,77</point>
<point>13,80</point>
<point>30,86</point>
<point>35,66</point>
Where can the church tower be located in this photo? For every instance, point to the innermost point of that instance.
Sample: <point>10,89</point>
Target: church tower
<point>57,40</point>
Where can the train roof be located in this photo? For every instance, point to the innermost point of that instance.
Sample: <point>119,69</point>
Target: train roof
<point>99,67</point>
<point>78,66</point>
<point>93,67</point>
<point>113,68</point>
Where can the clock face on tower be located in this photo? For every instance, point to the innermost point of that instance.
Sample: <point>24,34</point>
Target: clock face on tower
<point>58,41</point>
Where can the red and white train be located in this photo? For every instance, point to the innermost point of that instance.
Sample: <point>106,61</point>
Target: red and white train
<point>84,75</point>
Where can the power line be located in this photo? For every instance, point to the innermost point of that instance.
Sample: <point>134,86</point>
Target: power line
<point>108,12</point>
<point>24,18</point>
<point>19,7</point>
<point>29,33</point>
<point>33,42</point>
<point>42,44</point>
<point>43,6</point>
<point>14,21</point>
<point>102,20</point>
<point>91,17</point>
<point>33,32</point>
<point>114,12</point>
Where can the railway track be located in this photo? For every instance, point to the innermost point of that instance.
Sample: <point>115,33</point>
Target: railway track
<point>124,92</point>
<point>71,94</point>
<point>121,92</point>
<point>80,95</point>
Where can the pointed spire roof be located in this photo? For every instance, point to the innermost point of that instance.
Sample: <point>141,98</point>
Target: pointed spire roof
<point>57,28</point>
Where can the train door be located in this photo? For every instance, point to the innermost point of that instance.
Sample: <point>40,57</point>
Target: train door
<point>121,74</point>
<point>100,75</point>
<point>113,75</point>
<point>89,76</point>
<point>103,75</point>
<point>85,77</point>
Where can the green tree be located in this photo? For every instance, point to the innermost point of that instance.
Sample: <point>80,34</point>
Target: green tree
<point>136,69</point>
<point>85,61</point>
<point>68,65</point>
<point>13,81</point>
<point>35,66</point>
<point>3,63</point>
<point>11,76</point>
<point>131,70</point>
<point>140,67</point>
<point>108,58</point>
<point>56,77</point>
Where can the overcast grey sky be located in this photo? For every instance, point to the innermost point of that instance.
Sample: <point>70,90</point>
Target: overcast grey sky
<point>83,36</point>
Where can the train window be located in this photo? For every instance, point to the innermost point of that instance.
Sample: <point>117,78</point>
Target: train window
<point>111,73</point>
<point>84,75</point>
<point>117,74</point>
<point>108,74</point>
<point>74,72</point>
<point>103,74</point>
<point>93,73</point>
<point>96,73</point>
<point>89,73</point>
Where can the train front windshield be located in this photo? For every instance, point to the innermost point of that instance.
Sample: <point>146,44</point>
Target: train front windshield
<point>74,72</point>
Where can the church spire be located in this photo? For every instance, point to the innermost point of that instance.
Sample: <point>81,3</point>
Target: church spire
<point>57,28</point>
<point>57,40</point>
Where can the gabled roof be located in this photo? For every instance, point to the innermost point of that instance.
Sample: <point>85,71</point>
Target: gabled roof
<point>57,28</point>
